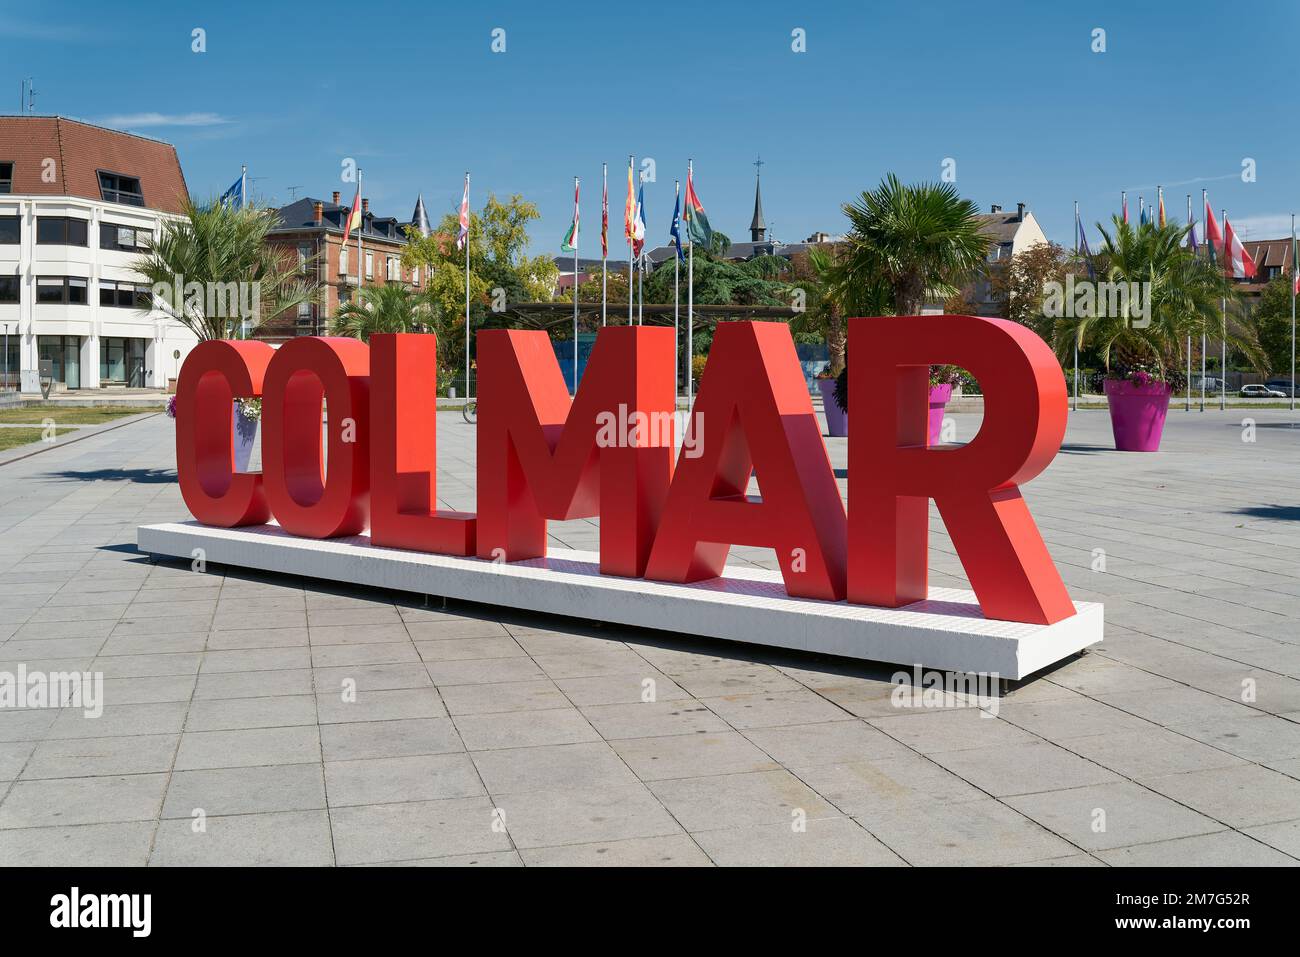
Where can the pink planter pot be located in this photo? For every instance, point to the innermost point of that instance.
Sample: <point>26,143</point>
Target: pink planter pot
<point>1137,414</point>
<point>939,396</point>
<point>837,420</point>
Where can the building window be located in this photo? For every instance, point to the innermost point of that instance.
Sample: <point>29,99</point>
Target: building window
<point>61,231</point>
<point>11,230</point>
<point>125,295</point>
<point>61,290</point>
<point>126,239</point>
<point>304,256</point>
<point>9,288</point>
<point>370,265</point>
<point>415,275</point>
<point>343,261</point>
<point>116,188</point>
<point>6,177</point>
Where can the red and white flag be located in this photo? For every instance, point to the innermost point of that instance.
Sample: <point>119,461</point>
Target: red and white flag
<point>1212,232</point>
<point>464,217</point>
<point>1237,262</point>
<point>604,217</point>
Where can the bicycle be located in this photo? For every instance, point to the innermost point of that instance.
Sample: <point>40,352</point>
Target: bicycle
<point>470,411</point>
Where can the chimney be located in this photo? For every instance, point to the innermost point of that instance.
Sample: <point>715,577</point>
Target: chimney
<point>1020,211</point>
<point>365,205</point>
<point>318,212</point>
<point>995,208</point>
<point>335,200</point>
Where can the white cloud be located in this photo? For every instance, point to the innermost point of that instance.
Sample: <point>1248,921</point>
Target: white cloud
<point>1277,226</point>
<point>136,120</point>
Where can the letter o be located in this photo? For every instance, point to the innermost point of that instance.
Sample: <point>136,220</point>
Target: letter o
<point>311,496</point>
<point>216,373</point>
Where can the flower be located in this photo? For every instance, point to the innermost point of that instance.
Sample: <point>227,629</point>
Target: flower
<point>171,407</point>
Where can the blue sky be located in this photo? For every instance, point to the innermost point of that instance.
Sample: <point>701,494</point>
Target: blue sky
<point>1011,91</point>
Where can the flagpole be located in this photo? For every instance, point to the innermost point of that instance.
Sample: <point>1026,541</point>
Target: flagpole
<point>1192,228</point>
<point>1295,278</point>
<point>1075,404</point>
<point>690,298</point>
<point>1123,205</point>
<point>467,215</point>
<point>630,228</point>
<point>575,286</point>
<point>1209,253</point>
<point>1223,342</point>
<point>243,186</point>
<point>676,295</point>
<point>604,240</point>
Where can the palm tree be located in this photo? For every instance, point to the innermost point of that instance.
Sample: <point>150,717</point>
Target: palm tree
<point>1185,294</point>
<point>391,307</point>
<point>829,297</point>
<point>214,273</point>
<point>919,241</point>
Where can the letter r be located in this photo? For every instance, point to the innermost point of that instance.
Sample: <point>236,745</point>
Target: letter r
<point>892,474</point>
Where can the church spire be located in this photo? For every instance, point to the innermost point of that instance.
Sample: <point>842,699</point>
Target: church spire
<point>758,228</point>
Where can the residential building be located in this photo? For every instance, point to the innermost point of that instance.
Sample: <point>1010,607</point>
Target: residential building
<point>77,203</point>
<point>1272,259</point>
<point>1009,234</point>
<point>312,230</point>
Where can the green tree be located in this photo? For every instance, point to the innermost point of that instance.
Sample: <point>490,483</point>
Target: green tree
<point>920,241</point>
<point>1019,285</point>
<point>1185,293</point>
<point>390,307</point>
<point>1271,320</point>
<point>214,273</point>
<point>828,299</point>
<point>499,269</point>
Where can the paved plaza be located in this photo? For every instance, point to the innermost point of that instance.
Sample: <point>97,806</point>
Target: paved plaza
<point>478,735</point>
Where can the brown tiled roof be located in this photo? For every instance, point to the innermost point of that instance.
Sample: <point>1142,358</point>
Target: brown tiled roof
<point>80,151</point>
<point>1270,252</point>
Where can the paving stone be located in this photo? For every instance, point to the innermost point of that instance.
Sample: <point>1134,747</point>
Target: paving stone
<point>970,833</point>
<point>837,842</point>
<point>1239,796</point>
<point>1023,768</point>
<point>1223,849</point>
<point>674,850</point>
<point>647,719</point>
<point>389,739</point>
<point>247,790</point>
<point>281,839</point>
<point>85,845</point>
<point>423,777</point>
<point>1112,815</point>
<point>774,709</point>
<point>91,757</point>
<point>524,729</point>
<point>584,815</point>
<point>415,830</point>
<point>684,755</point>
<point>554,767</point>
<point>248,748</point>
<point>739,800</point>
<point>83,800</point>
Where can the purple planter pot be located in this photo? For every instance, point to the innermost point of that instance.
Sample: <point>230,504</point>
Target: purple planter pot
<point>1137,414</point>
<point>837,420</point>
<point>939,396</point>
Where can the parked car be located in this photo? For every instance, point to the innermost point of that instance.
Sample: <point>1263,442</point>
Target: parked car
<point>1260,391</point>
<point>1283,384</point>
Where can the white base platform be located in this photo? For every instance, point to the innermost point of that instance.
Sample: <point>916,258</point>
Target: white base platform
<point>947,632</point>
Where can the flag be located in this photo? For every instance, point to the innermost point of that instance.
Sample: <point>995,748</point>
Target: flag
<point>1161,219</point>
<point>1191,238</point>
<point>1083,245</point>
<point>1295,266</point>
<point>1212,235</point>
<point>604,220</point>
<point>1142,217</point>
<point>570,243</point>
<point>234,197</point>
<point>354,217</point>
<point>629,208</point>
<point>463,235</point>
<point>1237,262</point>
<point>697,223</point>
<point>420,218</point>
<point>676,230</point>
<point>638,223</point>
<point>1123,200</point>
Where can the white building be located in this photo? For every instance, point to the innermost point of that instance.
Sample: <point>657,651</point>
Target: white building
<point>76,203</point>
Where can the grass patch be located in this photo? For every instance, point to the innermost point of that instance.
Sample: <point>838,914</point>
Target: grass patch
<point>70,415</point>
<point>12,438</point>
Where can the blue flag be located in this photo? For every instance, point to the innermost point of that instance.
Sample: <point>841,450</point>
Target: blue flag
<point>675,231</point>
<point>234,197</point>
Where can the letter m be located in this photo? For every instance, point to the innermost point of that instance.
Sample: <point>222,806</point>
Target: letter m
<point>540,455</point>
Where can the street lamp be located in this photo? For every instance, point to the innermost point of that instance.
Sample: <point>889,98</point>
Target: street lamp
<point>6,385</point>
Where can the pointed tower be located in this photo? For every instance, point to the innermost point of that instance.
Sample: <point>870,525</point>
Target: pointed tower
<point>758,228</point>
<point>420,218</point>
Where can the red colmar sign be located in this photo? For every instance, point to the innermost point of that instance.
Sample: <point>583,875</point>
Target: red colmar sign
<point>543,456</point>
